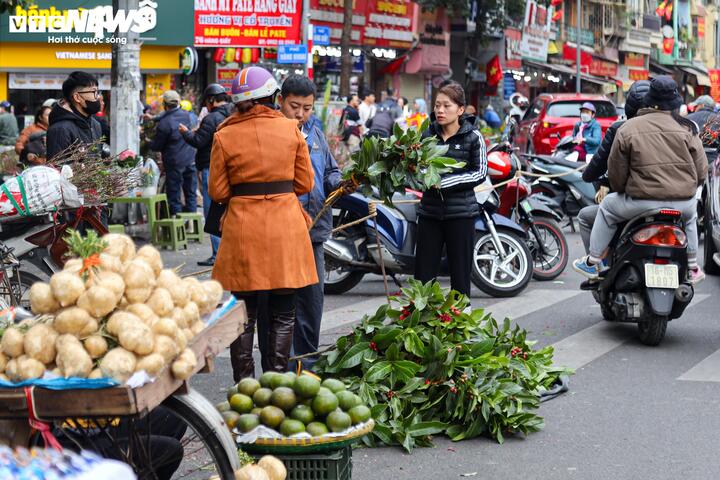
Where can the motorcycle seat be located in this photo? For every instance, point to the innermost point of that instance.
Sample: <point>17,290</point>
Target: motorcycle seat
<point>408,210</point>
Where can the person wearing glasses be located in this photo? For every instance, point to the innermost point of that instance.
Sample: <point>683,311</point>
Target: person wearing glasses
<point>72,118</point>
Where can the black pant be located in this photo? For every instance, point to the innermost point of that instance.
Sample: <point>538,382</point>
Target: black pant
<point>458,236</point>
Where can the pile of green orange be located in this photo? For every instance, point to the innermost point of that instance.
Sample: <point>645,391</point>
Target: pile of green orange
<point>292,404</point>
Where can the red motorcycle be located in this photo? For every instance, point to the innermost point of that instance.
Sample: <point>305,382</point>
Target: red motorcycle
<point>40,240</point>
<point>546,239</point>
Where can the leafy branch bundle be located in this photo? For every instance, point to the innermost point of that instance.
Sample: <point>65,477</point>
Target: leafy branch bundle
<point>99,179</point>
<point>405,159</point>
<point>429,368</point>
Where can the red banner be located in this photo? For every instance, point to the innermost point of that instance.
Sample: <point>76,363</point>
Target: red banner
<point>701,27</point>
<point>248,23</point>
<point>381,23</point>
<point>225,76</point>
<point>635,75</point>
<point>603,68</point>
<point>513,58</point>
<point>714,84</point>
<point>634,60</point>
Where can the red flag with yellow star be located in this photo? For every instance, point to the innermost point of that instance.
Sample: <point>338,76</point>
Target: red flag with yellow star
<point>494,72</point>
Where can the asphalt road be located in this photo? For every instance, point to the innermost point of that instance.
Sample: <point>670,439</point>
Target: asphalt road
<point>633,412</point>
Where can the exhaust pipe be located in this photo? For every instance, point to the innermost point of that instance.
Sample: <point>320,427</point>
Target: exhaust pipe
<point>683,296</point>
<point>338,251</point>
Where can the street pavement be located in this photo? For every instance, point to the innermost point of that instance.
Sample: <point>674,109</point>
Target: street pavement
<point>632,412</point>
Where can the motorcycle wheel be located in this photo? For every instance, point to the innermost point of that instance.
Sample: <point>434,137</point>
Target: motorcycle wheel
<point>342,282</point>
<point>550,265</point>
<point>652,332</point>
<point>501,277</point>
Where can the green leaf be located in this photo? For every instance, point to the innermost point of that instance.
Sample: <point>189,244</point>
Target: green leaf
<point>427,428</point>
<point>354,356</point>
<point>377,168</point>
<point>413,344</point>
<point>405,369</point>
<point>379,371</point>
<point>397,130</point>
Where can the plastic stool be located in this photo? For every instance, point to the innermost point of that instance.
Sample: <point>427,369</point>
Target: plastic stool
<point>169,233</point>
<point>116,228</point>
<point>194,226</point>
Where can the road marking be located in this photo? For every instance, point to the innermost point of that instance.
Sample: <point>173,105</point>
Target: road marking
<point>593,342</point>
<point>529,302</point>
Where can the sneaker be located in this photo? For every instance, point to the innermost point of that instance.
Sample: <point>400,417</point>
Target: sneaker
<point>696,275</point>
<point>207,263</point>
<point>585,268</point>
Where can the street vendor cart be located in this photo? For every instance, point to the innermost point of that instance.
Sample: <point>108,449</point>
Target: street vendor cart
<point>94,414</point>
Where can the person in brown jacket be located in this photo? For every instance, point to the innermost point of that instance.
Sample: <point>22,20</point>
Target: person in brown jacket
<point>39,125</point>
<point>657,160</point>
<point>259,164</point>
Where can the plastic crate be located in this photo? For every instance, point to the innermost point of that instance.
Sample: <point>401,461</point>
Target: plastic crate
<point>335,465</point>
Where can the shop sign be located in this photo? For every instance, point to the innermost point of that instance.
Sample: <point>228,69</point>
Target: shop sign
<point>635,75</point>
<point>714,75</point>
<point>378,23</point>
<point>433,54</point>
<point>634,60</point>
<point>247,23</point>
<point>701,27</point>
<point>603,68</point>
<point>433,34</point>
<point>292,54</point>
<point>48,81</point>
<point>536,31</point>
<point>513,58</point>
<point>587,37</point>
<point>95,23</point>
<point>321,35</point>
<point>332,64</point>
<point>508,85</point>
<point>225,77</point>
<point>189,61</point>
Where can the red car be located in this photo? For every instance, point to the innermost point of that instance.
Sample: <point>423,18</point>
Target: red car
<point>552,116</point>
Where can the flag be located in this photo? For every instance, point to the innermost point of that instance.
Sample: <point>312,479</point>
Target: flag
<point>494,72</point>
<point>557,16</point>
<point>555,3</point>
<point>668,11</point>
<point>668,44</point>
<point>660,10</point>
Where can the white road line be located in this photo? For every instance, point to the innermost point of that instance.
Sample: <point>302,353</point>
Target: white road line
<point>589,344</point>
<point>529,302</point>
<point>708,370</point>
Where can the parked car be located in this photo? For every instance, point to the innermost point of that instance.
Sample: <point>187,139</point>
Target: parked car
<point>711,223</point>
<point>552,116</point>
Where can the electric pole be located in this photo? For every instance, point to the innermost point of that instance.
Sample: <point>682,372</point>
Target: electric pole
<point>346,59</point>
<point>125,87</point>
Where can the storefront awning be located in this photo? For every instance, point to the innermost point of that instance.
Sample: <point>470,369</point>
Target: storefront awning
<point>658,69</point>
<point>567,70</point>
<point>702,78</point>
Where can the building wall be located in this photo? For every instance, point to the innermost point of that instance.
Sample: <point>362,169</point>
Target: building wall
<point>412,86</point>
<point>710,41</point>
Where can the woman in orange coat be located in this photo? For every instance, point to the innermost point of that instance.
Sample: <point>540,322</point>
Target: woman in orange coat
<point>258,165</point>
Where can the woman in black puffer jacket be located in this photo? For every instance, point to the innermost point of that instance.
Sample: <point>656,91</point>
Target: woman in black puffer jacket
<point>448,214</point>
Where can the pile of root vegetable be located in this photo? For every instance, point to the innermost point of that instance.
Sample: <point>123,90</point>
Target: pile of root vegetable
<point>112,311</point>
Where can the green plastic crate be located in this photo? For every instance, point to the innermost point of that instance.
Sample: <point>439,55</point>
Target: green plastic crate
<point>335,465</point>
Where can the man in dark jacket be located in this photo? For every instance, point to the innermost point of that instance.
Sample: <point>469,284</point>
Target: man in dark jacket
<point>217,101</point>
<point>72,119</point>
<point>296,101</point>
<point>381,125</point>
<point>596,171</point>
<point>178,156</point>
<point>707,121</point>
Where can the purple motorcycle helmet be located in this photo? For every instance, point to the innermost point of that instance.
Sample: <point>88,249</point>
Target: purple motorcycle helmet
<point>253,83</point>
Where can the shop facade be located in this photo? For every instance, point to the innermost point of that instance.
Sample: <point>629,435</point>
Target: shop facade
<point>35,58</point>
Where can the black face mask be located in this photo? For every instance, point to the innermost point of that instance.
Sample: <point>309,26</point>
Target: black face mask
<point>92,107</point>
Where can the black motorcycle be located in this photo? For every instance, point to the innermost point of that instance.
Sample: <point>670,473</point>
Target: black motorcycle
<point>647,280</point>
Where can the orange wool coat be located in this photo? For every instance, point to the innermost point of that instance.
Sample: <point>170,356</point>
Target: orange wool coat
<point>265,241</point>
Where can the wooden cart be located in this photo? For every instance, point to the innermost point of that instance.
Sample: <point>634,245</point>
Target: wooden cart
<point>97,411</point>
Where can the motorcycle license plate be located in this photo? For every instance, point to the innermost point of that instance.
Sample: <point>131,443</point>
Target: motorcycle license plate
<point>661,276</point>
<point>526,206</point>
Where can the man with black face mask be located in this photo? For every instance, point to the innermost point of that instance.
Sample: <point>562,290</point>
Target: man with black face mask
<point>72,118</point>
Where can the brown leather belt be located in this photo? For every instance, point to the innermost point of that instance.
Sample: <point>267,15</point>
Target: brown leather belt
<point>261,188</point>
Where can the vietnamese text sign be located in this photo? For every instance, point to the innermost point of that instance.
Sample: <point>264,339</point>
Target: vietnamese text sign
<point>292,54</point>
<point>536,31</point>
<point>247,23</point>
<point>225,76</point>
<point>321,36</point>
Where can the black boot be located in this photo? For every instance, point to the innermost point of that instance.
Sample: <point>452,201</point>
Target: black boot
<point>280,340</point>
<point>241,351</point>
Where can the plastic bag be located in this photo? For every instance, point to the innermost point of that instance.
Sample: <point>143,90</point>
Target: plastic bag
<point>37,190</point>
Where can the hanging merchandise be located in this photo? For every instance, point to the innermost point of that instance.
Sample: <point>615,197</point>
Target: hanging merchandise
<point>255,55</point>
<point>238,55</point>
<point>246,55</point>
<point>230,55</point>
<point>557,16</point>
<point>219,55</point>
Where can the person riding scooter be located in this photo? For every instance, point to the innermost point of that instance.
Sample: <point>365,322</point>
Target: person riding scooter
<point>654,163</point>
<point>587,133</point>
<point>596,171</point>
